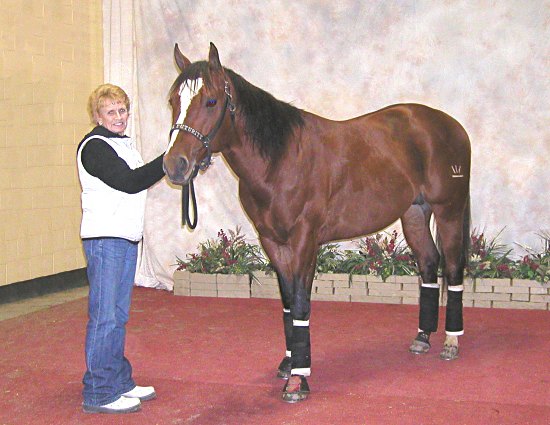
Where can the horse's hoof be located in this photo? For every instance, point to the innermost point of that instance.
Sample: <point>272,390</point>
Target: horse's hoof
<point>449,352</point>
<point>419,347</point>
<point>421,344</point>
<point>296,389</point>
<point>284,368</point>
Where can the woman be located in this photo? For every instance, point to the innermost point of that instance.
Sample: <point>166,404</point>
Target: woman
<point>114,180</point>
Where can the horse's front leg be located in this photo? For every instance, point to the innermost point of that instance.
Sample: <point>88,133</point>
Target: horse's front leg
<point>297,388</point>
<point>295,272</point>
<point>285,367</point>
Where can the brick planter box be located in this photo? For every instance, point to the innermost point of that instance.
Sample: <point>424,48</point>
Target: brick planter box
<point>264,285</point>
<point>211,285</point>
<point>484,293</point>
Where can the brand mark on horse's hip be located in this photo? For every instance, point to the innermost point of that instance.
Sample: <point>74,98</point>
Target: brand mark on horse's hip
<point>457,171</point>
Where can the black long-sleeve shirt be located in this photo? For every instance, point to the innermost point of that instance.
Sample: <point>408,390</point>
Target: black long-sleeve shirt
<point>101,161</point>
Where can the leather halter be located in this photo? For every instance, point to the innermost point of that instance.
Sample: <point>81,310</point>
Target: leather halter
<point>205,140</point>
<point>189,188</point>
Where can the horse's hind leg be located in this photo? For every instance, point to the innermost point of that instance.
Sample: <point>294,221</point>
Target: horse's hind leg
<point>453,231</point>
<point>416,228</point>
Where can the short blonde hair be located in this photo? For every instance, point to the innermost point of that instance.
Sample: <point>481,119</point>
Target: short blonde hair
<point>101,95</point>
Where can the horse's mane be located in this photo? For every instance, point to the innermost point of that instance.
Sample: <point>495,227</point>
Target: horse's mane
<point>268,122</point>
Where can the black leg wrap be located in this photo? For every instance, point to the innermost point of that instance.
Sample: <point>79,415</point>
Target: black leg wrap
<point>287,320</point>
<point>429,309</point>
<point>301,348</point>
<point>453,320</point>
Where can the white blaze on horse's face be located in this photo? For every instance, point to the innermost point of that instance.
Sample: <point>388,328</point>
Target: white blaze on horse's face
<point>188,90</point>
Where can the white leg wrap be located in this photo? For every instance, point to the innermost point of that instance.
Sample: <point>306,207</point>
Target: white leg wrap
<point>286,310</point>
<point>431,285</point>
<point>288,353</point>
<point>304,371</point>
<point>300,323</point>
<point>458,333</point>
<point>455,288</point>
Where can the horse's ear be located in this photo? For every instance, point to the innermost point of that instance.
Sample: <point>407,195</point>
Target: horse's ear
<point>181,60</point>
<point>214,63</point>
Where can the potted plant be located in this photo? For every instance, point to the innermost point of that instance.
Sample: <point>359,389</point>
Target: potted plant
<point>220,267</point>
<point>534,265</point>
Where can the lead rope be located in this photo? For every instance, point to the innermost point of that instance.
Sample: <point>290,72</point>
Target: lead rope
<point>188,198</point>
<point>188,194</point>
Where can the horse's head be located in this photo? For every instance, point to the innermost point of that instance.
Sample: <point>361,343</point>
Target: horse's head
<point>199,99</point>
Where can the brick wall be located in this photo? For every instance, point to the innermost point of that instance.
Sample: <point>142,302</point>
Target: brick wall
<point>485,293</point>
<point>51,58</point>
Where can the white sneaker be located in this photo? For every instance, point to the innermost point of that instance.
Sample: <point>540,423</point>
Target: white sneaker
<point>120,405</point>
<point>141,393</point>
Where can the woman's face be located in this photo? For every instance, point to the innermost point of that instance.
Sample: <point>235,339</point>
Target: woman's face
<point>113,116</point>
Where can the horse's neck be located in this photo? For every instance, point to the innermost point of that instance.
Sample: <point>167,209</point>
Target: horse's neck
<point>245,161</point>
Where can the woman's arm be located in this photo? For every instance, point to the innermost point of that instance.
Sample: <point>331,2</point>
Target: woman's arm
<point>101,161</point>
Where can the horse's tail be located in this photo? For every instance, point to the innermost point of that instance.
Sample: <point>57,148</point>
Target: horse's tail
<point>466,240</point>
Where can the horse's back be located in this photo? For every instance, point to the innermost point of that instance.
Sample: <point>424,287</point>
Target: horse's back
<point>415,119</point>
<point>407,135</point>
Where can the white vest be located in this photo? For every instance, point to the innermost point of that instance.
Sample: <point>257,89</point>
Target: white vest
<point>107,212</point>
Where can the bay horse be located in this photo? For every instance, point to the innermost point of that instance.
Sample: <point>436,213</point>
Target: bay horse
<point>305,180</point>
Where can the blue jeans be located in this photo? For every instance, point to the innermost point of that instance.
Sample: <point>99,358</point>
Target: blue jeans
<point>111,271</point>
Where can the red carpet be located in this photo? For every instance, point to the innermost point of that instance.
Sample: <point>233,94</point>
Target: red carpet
<point>213,361</point>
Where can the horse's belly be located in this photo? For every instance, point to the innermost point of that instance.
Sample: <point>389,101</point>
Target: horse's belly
<point>358,220</point>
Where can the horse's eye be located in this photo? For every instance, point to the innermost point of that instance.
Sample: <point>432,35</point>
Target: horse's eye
<point>211,102</point>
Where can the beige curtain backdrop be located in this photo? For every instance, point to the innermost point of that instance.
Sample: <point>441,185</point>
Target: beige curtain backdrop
<point>486,63</point>
<point>120,63</point>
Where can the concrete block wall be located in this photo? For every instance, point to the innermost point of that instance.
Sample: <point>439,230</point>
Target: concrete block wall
<point>484,293</point>
<point>51,58</point>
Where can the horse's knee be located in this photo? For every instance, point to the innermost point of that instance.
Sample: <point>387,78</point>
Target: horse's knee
<point>428,268</point>
<point>285,288</point>
<point>454,272</point>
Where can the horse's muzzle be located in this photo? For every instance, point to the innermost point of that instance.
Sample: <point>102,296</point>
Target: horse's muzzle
<point>177,169</point>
